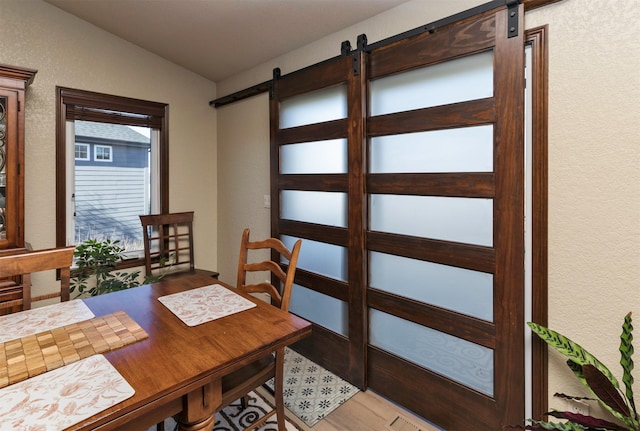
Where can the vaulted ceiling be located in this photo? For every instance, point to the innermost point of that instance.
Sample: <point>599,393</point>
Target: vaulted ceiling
<point>219,38</point>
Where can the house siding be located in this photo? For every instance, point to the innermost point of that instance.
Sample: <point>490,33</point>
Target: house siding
<point>110,196</point>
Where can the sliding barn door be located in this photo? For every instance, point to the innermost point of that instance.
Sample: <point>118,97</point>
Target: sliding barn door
<point>400,165</point>
<point>445,222</point>
<point>317,194</point>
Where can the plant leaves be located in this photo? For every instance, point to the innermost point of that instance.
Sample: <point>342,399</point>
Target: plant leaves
<point>589,422</point>
<point>99,258</point>
<point>579,373</point>
<point>560,426</point>
<point>572,397</point>
<point>626,351</point>
<point>602,387</point>
<point>578,357</point>
<point>533,427</point>
<point>577,370</point>
<point>571,350</point>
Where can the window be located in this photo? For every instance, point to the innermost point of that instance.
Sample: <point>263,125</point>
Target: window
<point>128,176</point>
<point>111,191</point>
<point>82,152</point>
<point>102,153</point>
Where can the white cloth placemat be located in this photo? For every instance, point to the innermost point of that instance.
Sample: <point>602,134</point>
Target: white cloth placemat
<point>29,322</point>
<point>62,397</point>
<point>204,304</point>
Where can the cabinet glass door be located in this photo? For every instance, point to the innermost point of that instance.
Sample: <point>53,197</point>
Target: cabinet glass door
<point>4,136</point>
<point>11,180</point>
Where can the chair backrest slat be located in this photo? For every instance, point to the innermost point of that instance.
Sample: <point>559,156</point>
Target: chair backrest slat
<point>168,242</point>
<point>285,272</point>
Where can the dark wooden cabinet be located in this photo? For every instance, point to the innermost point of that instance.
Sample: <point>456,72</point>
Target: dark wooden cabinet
<point>13,84</point>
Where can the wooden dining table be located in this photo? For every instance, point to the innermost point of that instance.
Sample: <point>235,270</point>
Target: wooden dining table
<point>177,369</point>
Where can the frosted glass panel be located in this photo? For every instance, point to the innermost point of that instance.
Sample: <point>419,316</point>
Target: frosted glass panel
<point>462,290</point>
<point>468,149</point>
<point>315,107</point>
<point>316,307</point>
<point>460,360</point>
<point>466,78</point>
<point>328,208</point>
<point>466,220</point>
<point>321,258</point>
<point>319,157</point>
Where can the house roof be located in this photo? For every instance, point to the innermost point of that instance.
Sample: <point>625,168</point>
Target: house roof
<point>114,132</point>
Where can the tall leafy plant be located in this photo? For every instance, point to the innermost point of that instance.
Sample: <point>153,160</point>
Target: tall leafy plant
<point>598,379</point>
<point>96,273</point>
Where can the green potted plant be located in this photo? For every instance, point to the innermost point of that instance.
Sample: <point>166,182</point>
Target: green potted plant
<point>599,380</point>
<point>96,262</point>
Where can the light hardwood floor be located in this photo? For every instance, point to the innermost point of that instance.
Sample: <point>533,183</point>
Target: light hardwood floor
<point>365,411</point>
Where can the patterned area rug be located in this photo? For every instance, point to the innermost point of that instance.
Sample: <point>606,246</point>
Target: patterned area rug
<point>234,418</point>
<point>310,391</point>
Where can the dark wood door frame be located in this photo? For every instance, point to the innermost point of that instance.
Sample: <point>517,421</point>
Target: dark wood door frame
<point>536,38</point>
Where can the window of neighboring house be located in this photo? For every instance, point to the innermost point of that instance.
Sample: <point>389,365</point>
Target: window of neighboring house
<point>82,152</point>
<point>102,153</point>
<point>104,201</point>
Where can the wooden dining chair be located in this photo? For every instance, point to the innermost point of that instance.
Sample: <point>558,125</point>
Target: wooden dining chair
<point>239,383</point>
<point>23,265</point>
<point>168,245</point>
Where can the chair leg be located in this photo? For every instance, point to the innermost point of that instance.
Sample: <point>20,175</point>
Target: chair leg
<point>278,395</point>
<point>244,402</point>
<point>160,426</point>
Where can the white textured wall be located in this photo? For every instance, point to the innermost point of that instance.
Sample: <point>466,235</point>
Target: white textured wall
<point>69,52</point>
<point>243,178</point>
<point>594,160</point>
<point>594,175</point>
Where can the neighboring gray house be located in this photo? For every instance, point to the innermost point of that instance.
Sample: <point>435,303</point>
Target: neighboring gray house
<point>111,182</point>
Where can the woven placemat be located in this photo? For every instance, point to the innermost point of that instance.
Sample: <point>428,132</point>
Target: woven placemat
<point>35,354</point>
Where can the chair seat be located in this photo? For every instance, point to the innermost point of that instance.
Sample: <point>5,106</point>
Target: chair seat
<point>253,375</point>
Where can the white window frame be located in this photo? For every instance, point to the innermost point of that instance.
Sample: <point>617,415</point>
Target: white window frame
<point>95,153</point>
<point>88,148</point>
